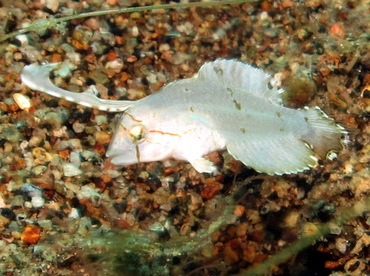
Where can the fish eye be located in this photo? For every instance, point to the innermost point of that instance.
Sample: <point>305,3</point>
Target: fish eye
<point>137,133</point>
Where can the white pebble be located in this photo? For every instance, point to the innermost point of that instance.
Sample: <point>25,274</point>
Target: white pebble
<point>28,205</point>
<point>87,192</point>
<point>75,158</point>
<point>22,101</point>
<point>78,127</point>
<point>74,214</point>
<point>37,201</point>
<point>115,65</point>
<point>135,31</point>
<point>71,170</point>
<point>23,38</point>
<point>341,244</point>
<point>52,4</point>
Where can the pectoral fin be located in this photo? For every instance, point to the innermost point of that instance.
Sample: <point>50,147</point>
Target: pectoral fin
<point>203,165</point>
<point>283,155</point>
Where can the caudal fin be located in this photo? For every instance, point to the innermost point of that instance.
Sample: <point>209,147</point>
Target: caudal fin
<point>325,136</point>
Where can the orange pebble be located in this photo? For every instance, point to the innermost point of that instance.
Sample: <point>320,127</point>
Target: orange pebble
<point>80,45</point>
<point>11,77</point>
<point>112,55</point>
<point>13,107</point>
<point>102,138</point>
<point>56,58</point>
<point>112,2</point>
<point>131,59</point>
<point>106,178</point>
<point>168,171</point>
<point>332,264</point>
<point>337,31</point>
<point>64,154</point>
<point>125,76</point>
<point>123,224</point>
<point>287,4</point>
<point>119,40</point>
<point>31,234</point>
<point>239,210</point>
<point>210,189</point>
<point>266,6</point>
<point>367,79</point>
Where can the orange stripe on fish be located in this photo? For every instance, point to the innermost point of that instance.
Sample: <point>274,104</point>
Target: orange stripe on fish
<point>164,133</point>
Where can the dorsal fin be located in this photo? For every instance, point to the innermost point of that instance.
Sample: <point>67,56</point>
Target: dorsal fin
<point>36,77</point>
<point>244,77</point>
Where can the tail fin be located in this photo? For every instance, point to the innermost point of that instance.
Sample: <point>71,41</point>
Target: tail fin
<point>325,136</point>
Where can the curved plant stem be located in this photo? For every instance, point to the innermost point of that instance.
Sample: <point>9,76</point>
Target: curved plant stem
<point>52,21</point>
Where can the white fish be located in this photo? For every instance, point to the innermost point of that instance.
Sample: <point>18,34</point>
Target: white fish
<point>227,105</point>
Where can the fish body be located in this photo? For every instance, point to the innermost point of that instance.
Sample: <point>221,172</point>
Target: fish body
<point>227,105</point>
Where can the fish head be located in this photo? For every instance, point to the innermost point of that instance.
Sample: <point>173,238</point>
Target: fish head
<point>138,138</point>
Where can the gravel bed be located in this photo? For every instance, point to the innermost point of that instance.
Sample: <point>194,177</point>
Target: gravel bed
<point>66,210</point>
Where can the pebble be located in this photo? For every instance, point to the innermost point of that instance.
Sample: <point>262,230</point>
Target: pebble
<point>37,201</point>
<point>22,101</point>
<point>210,189</point>
<point>135,31</point>
<point>70,169</point>
<point>90,129</point>
<point>41,156</point>
<point>23,38</point>
<point>115,65</point>
<point>239,210</point>
<point>71,186</point>
<point>3,222</point>
<point>87,192</point>
<point>56,119</point>
<point>102,137</point>
<point>74,213</point>
<point>16,235</point>
<point>89,155</point>
<point>101,120</point>
<point>2,202</point>
<point>230,255</point>
<point>93,23</point>
<point>17,201</point>
<point>186,28</point>
<point>28,205</point>
<point>73,144</point>
<point>52,5</point>
<point>164,47</point>
<point>195,201</point>
<point>10,133</point>
<point>341,244</point>
<point>337,31</point>
<point>64,69</point>
<point>31,234</point>
<point>31,190</point>
<point>75,158</point>
<point>78,127</point>
<point>39,170</point>
<point>31,53</point>
<point>131,59</point>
